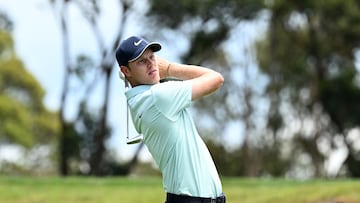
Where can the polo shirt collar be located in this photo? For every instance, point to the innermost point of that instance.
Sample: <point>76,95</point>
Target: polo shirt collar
<point>137,90</point>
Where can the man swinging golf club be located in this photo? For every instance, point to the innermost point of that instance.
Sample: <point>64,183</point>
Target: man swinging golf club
<point>160,113</point>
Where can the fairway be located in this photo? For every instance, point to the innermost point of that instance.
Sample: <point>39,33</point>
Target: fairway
<point>149,190</point>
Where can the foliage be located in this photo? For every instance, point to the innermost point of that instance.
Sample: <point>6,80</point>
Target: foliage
<point>24,118</point>
<point>207,23</point>
<point>89,130</point>
<point>208,26</point>
<point>174,14</point>
<point>309,55</point>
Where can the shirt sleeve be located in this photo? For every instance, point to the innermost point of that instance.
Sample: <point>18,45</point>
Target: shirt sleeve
<point>172,97</point>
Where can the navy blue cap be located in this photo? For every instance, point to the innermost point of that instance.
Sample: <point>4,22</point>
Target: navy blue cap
<point>132,48</point>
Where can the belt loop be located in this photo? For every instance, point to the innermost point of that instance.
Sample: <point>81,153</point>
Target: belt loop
<point>221,199</point>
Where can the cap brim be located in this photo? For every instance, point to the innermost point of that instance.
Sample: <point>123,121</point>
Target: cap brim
<point>154,46</point>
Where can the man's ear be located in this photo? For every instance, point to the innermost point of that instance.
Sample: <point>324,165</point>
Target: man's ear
<point>125,70</point>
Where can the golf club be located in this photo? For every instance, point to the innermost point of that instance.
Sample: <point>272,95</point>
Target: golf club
<point>138,138</point>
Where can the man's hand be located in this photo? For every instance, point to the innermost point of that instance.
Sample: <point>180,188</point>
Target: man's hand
<point>163,65</point>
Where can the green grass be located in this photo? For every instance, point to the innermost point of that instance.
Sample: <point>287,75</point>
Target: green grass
<point>149,190</point>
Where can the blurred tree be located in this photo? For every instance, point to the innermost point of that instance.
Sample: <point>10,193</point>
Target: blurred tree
<point>24,119</point>
<point>209,25</point>
<point>89,130</point>
<point>309,55</point>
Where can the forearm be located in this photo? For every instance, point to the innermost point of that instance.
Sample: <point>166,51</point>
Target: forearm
<point>186,72</point>
<point>204,80</point>
<point>180,71</point>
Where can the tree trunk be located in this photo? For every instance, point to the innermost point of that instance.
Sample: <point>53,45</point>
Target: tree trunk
<point>97,159</point>
<point>63,166</point>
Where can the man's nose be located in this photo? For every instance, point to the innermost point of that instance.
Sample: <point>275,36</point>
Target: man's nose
<point>150,62</point>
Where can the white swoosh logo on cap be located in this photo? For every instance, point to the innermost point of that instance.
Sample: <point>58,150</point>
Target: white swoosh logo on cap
<point>137,43</point>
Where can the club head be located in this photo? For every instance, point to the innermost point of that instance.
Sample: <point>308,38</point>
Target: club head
<point>135,139</point>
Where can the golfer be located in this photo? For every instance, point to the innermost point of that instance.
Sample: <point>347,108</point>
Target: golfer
<point>160,111</point>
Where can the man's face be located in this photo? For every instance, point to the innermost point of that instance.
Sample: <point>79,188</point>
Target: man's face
<point>144,70</point>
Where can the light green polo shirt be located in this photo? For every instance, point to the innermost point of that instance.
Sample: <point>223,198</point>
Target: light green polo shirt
<point>160,113</point>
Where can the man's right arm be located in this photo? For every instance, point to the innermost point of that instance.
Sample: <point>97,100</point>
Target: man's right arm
<point>203,80</point>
